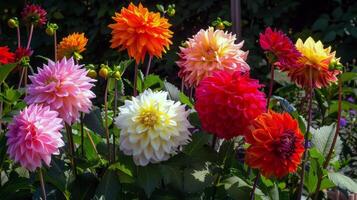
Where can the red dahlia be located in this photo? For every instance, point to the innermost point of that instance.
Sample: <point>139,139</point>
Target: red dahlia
<point>276,144</point>
<point>227,102</point>
<point>276,42</point>
<point>34,14</point>
<point>6,56</point>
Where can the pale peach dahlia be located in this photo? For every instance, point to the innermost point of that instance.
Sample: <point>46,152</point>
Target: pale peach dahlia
<point>207,51</point>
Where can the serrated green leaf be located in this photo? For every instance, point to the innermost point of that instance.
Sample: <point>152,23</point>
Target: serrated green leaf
<point>185,100</point>
<point>348,76</point>
<point>343,181</point>
<point>148,178</point>
<point>172,90</point>
<point>109,186</point>
<point>322,139</point>
<point>153,80</point>
<point>94,121</point>
<point>5,71</point>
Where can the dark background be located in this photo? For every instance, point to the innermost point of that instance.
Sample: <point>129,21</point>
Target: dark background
<point>332,21</point>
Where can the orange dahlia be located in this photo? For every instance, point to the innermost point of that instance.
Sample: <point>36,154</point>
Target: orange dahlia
<point>276,144</point>
<point>317,59</point>
<point>72,44</point>
<point>139,32</point>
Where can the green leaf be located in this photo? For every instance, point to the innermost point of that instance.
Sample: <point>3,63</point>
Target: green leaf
<point>311,177</point>
<point>320,24</point>
<point>94,121</point>
<point>153,80</point>
<point>84,186</point>
<point>348,76</point>
<point>160,8</point>
<point>274,192</point>
<point>322,139</point>
<point>198,140</point>
<point>148,178</point>
<point>185,100</point>
<point>344,104</point>
<point>5,71</point>
<point>124,170</point>
<point>108,187</point>
<point>343,181</point>
<point>197,179</point>
<point>330,36</point>
<point>172,90</point>
<point>237,188</point>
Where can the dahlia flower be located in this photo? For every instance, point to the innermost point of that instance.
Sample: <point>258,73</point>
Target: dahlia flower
<point>317,59</point>
<point>34,14</point>
<point>276,144</point>
<point>64,86</point>
<point>33,136</point>
<point>139,32</point>
<point>6,56</point>
<point>152,127</point>
<point>73,43</point>
<point>280,46</point>
<point>207,51</point>
<point>22,52</point>
<point>227,102</point>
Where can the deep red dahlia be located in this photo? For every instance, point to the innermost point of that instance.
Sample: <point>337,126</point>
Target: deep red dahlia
<point>6,56</point>
<point>22,52</point>
<point>276,144</point>
<point>276,42</point>
<point>227,102</point>
<point>34,14</point>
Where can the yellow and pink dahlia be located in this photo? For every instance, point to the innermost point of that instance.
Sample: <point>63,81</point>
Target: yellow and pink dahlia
<point>317,59</point>
<point>34,136</point>
<point>140,31</point>
<point>63,86</point>
<point>207,51</point>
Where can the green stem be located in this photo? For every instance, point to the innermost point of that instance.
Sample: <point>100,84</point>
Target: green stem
<point>329,155</point>
<point>115,112</point>
<point>106,118</point>
<point>55,44</point>
<point>135,91</point>
<point>71,147</point>
<point>252,194</point>
<point>270,85</point>
<point>82,134</point>
<point>42,182</point>
<point>148,67</point>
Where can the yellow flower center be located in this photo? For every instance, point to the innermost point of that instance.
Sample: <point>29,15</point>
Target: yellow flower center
<point>149,117</point>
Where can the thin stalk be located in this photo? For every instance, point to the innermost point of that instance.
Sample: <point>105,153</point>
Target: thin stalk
<point>329,155</point>
<point>1,105</point>
<point>92,142</point>
<point>251,197</point>
<point>30,37</point>
<point>55,44</point>
<point>106,118</point>
<point>270,85</point>
<point>214,141</point>
<point>148,67</point>
<point>191,93</point>
<point>135,92</point>
<point>42,184</point>
<point>82,134</point>
<point>115,112</point>
<point>182,86</point>
<point>18,37</point>
<point>21,77</point>
<point>309,111</point>
<point>71,147</point>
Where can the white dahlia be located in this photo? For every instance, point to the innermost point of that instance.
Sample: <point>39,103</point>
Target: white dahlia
<point>152,127</point>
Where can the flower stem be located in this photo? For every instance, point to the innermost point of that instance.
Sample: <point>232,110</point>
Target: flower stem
<point>305,155</point>
<point>55,44</point>
<point>106,118</point>
<point>270,85</point>
<point>30,37</point>
<point>182,86</point>
<point>251,197</point>
<point>82,134</point>
<point>329,155</point>
<point>92,142</point>
<point>18,37</point>
<point>42,184</point>
<point>148,67</point>
<point>135,92</point>
<point>21,77</point>
<point>115,112</point>
<point>71,147</point>
<point>1,105</point>
<point>214,141</point>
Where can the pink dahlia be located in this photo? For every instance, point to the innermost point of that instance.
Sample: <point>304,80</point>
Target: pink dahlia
<point>34,14</point>
<point>64,86</point>
<point>207,51</point>
<point>33,136</point>
<point>227,103</point>
<point>281,47</point>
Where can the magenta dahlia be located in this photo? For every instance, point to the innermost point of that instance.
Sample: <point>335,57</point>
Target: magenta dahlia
<point>64,86</point>
<point>34,136</point>
<point>226,103</point>
<point>34,14</point>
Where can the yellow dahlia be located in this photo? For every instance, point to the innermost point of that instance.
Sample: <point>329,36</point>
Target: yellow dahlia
<point>317,59</point>
<point>71,45</point>
<point>207,51</point>
<point>152,127</point>
<point>139,32</point>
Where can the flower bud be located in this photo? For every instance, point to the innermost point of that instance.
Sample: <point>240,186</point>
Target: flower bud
<point>104,72</point>
<point>92,73</point>
<point>13,22</point>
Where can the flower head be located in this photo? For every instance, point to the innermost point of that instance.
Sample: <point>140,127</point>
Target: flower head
<point>226,103</point>
<point>22,52</point>
<point>64,86</point>
<point>33,136</point>
<point>317,59</point>
<point>280,46</point>
<point>74,43</point>
<point>152,127</point>
<point>207,51</point>
<point>34,14</point>
<point>6,56</point>
<point>276,144</point>
<point>139,32</point>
